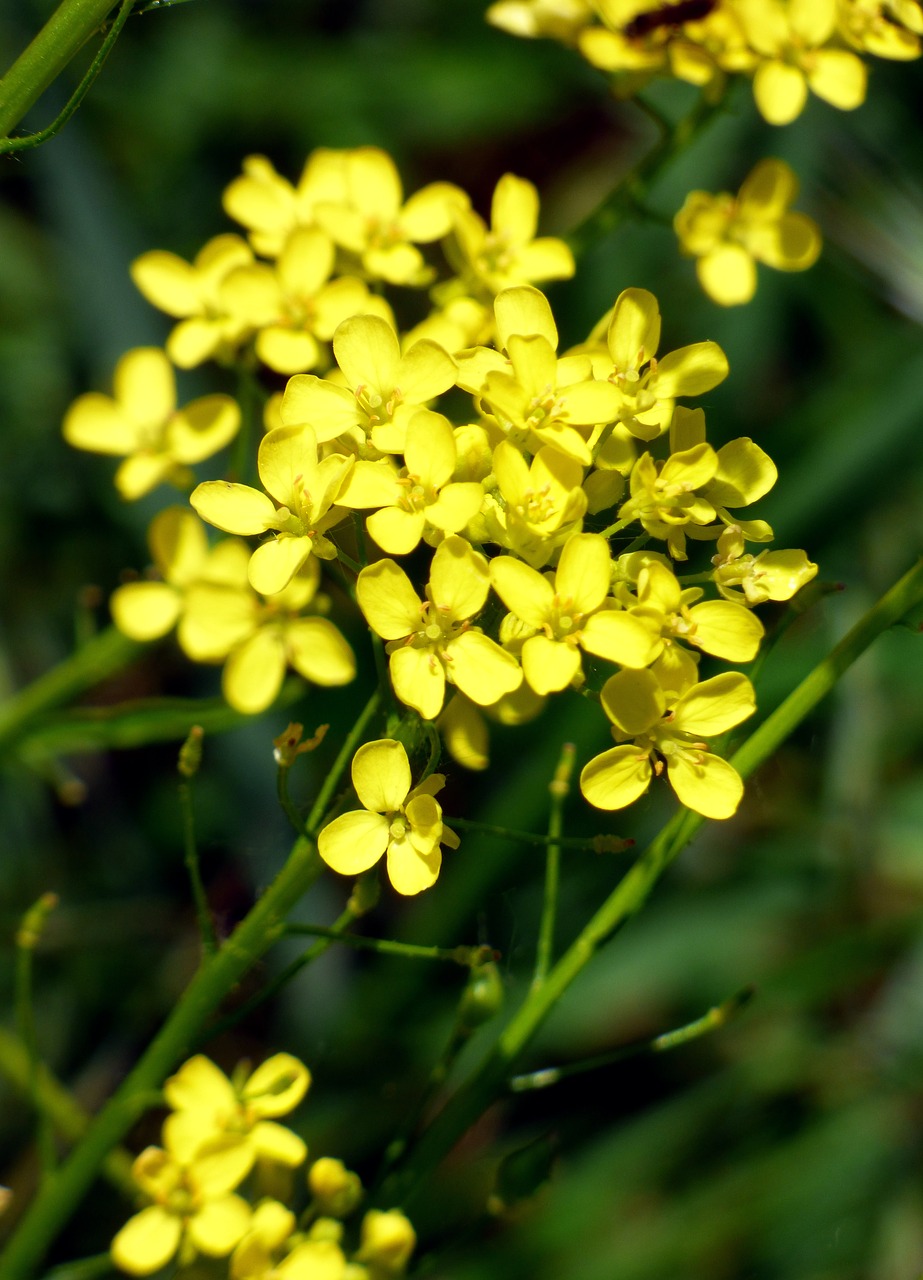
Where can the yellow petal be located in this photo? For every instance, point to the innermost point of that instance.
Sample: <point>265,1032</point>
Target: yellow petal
<point>167,282</point>
<point>523,590</point>
<point>199,1085</point>
<point>481,669</point>
<point>839,77</point>
<point>353,842</point>
<point>147,1241</point>
<point>584,572</point>
<point>633,701</point>
<point>367,350</point>
<point>634,330</point>
<point>615,778</point>
<point>202,428</point>
<point>780,92</point>
<point>275,563</point>
<point>411,872</point>
<point>287,463</point>
<point>524,310</point>
<point>711,787</point>
<point>728,275</point>
<point>419,680</point>
<point>277,1085</point>
<point>236,508</point>
<point>549,665</point>
<point>619,637</point>
<point>715,705</point>
<point>391,606</point>
<point>459,579</point>
<point>275,1142</point>
<point>381,775</point>
<point>254,672</point>
<point>219,1225</point>
<point>745,473</point>
<point>726,630</point>
<point>287,350</point>
<point>145,610</point>
<point>96,423</point>
<point>318,651</point>
<point>395,530</point>
<point>145,386</point>
<point>691,371</point>
<point>514,209</point>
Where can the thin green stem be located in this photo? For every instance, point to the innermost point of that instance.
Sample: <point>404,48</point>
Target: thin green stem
<point>632,892</point>
<point>465,956</point>
<point>27,939</point>
<point>315,818</point>
<point>36,139</point>
<point>53,1100</point>
<point>68,28</point>
<point>100,1264</point>
<point>558,788</point>
<point>191,858</point>
<point>617,527</point>
<point>716,1017</point>
<point>285,799</point>
<point>99,658</point>
<point>596,844</point>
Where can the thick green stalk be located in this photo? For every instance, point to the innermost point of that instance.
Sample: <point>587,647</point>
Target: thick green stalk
<point>71,24</point>
<point>254,936</point>
<point>100,657</point>
<point>632,891</point>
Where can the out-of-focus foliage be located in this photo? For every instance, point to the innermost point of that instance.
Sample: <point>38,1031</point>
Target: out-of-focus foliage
<point>785,1145</point>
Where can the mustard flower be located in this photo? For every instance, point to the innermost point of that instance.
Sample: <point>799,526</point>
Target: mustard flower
<point>211,1115</point>
<point>336,1189</point>
<point>423,501</point>
<point>271,207</point>
<point>728,234</point>
<point>665,496</point>
<point>194,1210</point>
<point>744,473</point>
<point>383,386</point>
<point>665,732</point>
<point>792,39</point>
<point>542,502</point>
<point>719,627</point>
<point>261,637</point>
<point>885,28</point>
<point>648,386</point>
<point>142,424</point>
<point>565,614</point>
<point>305,488</point>
<point>404,822</point>
<point>388,1239</point>
<point>370,220</point>
<point>535,396</point>
<point>191,292</point>
<point>771,575</point>
<point>507,252</point>
<point>294,305</point>
<point>433,642</point>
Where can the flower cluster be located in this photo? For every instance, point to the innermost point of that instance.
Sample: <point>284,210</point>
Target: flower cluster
<point>203,1188</point>
<point>788,48</point>
<point>512,520</point>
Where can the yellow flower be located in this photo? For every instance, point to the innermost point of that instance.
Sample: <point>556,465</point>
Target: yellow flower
<point>728,235</point>
<point>423,501</point>
<point>266,203</point>
<point>434,642</point>
<point>557,19</point>
<point>508,253</point>
<point>193,1210</point>
<point>406,823</point>
<point>388,1240</point>
<point>791,37</point>
<point>142,424</point>
<point>306,490</point>
<point>719,627</point>
<point>336,1190</point>
<point>237,1120</point>
<point>261,637</point>
<point>771,575</point>
<point>383,386</point>
<point>179,547</point>
<point>666,733</point>
<point>370,219</point>
<point>541,504</point>
<point>192,293</point>
<point>885,28</point>
<point>294,304</point>
<point>665,497</point>
<point>566,615</point>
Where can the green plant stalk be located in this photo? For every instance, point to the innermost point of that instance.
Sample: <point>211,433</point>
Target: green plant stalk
<point>27,939</point>
<point>558,789</point>
<point>63,1191</point>
<point>589,845</point>
<point>99,658</point>
<point>191,857</point>
<point>68,1117</point>
<point>632,892</point>
<point>8,145</point>
<point>315,819</point>
<point>465,956</point>
<point>68,28</point>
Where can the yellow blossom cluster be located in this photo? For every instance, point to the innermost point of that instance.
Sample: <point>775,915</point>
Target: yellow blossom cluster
<point>511,520</point>
<point>204,1191</point>
<point>788,48</point>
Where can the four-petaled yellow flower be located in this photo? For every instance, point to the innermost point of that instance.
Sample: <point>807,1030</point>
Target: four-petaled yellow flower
<point>728,235</point>
<point>666,733</point>
<point>432,641</point>
<point>405,822</point>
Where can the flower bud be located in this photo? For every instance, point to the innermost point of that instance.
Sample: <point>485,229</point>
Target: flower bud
<point>336,1190</point>
<point>388,1240</point>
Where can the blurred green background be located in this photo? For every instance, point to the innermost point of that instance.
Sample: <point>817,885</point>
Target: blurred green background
<point>789,1144</point>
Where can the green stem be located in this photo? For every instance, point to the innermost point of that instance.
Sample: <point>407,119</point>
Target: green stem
<point>68,1117</point>
<point>632,190</point>
<point>465,956</point>
<point>252,938</point>
<point>617,527</point>
<point>596,844</point>
<point>27,939</point>
<point>315,818</point>
<point>716,1017</point>
<point>68,28</point>
<point>36,139</point>
<point>632,892</point>
<point>99,658</point>
<point>559,788</point>
<point>285,799</point>
<point>191,854</point>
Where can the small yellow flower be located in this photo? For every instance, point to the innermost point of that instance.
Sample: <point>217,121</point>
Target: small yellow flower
<point>209,1112</point>
<point>719,627</point>
<point>388,1240</point>
<point>433,642</point>
<point>666,733</point>
<point>406,823</point>
<point>194,1210</point>
<point>142,424</point>
<point>728,235</point>
<point>336,1190</point>
<point>268,1252</point>
<point>771,575</point>
<point>540,503</point>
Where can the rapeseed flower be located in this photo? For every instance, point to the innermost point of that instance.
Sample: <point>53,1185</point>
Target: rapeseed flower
<point>141,423</point>
<point>719,627</point>
<point>728,235</point>
<point>404,822</point>
<point>665,732</point>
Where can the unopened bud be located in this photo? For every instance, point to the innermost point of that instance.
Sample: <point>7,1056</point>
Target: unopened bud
<point>336,1190</point>
<point>190,753</point>
<point>482,998</point>
<point>388,1240</point>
